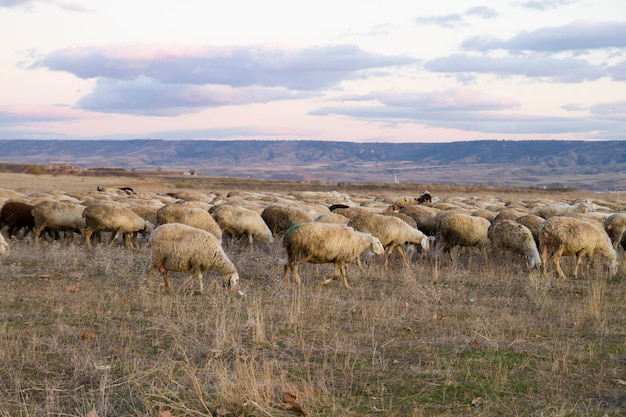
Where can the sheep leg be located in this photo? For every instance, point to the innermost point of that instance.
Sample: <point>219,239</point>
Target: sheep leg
<point>198,275</point>
<point>556,259</point>
<point>114,238</point>
<point>579,261</point>
<point>296,275</point>
<point>88,233</point>
<point>544,261</point>
<point>344,272</point>
<point>37,231</point>
<point>286,273</point>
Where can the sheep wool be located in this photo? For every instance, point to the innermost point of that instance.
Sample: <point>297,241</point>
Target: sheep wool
<point>178,247</point>
<point>321,243</point>
<point>568,236</point>
<point>511,236</point>
<point>279,217</point>
<point>57,216</point>
<point>116,219</point>
<point>191,216</point>
<point>615,226</point>
<point>240,221</point>
<point>4,247</point>
<point>460,229</point>
<point>392,232</point>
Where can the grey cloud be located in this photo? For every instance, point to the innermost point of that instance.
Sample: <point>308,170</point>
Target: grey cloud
<point>28,4</point>
<point>545,4</point>
<point>482,11</point>
<point>569,70</point>
<point>618,72</point>
<point>576,36</point>
<point>145,96</point>
<point>573,107</point>
<point>304,69</point>
<point>476,121</point>
<point>616,108</point>
<point>446,21</point>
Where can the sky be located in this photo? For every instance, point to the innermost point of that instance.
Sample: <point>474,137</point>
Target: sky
<point>342,70</point>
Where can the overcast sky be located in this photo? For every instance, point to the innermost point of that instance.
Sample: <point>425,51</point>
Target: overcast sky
<point>341,70</point>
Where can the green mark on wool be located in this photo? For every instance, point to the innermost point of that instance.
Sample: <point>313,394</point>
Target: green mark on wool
<point>318,217</point>
<point>292,228</point>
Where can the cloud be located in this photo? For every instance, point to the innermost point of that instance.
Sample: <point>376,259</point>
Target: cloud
<point>545,4</point>
<point>566,70</point>
<point>482,11</point>
<point>453,20</point>
<point>446,21</point>
<point>616,108</point>
<point>262,65</point>
<point>618,72</point>
<point>576,36</point>
<point>145,96</point>
<point>468,109</point>
<point>22,115</point>
<point>29,5</point>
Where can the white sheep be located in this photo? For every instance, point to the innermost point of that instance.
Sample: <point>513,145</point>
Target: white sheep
<point>511,236</point>
<point>119,220</point>
<point>461,229</point>
<point>57,216</point>
<point>191,216</point>
<point>178,247</point>
<point>615,226</point>
<point>568,236</point>
<point>563,209</point>
<point>280,217</point>
<point>240,221</point>
<point>321,243</point>
<point>392,232</point>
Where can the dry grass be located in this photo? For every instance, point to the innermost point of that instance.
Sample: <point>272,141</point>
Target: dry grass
<point>83,331</point>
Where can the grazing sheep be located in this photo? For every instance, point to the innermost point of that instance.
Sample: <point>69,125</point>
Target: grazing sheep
<point>533,222</point>
<point>392,232</point>
<point>511,236</point>
<point>568,236</point>
<point>615,226</point>
<point>240,221</point>
<point>178,247</point>
<point>331,218</point>
<point>58,216</point>
<point>116,219</point>
<point>460,229</point>
<point>191,216</point>
<point>279,217</point>
<point>562,209</point>
<point>424,218</point>
<point>350,212</point>
<point>405,201</point>
<point>321,243</point>
<point>16,216</point>
<point>4,247</point>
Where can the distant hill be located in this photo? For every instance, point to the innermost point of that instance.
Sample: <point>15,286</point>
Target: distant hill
<point>598,165</point>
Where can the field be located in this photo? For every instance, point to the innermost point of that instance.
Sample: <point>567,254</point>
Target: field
<point>83,333</point>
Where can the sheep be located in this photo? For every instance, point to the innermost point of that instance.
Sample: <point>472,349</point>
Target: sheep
<point>460,229</point>
<point>568,236</point>
<point>425,198</point>
<point>178,247</point>
<point>57,216</point>
<point>279,217</point>
<point>111,218</point>
<point>424,218</point>
<point>332,218</point>
<point>615,226</point>
<point>4,247</point>
<point>16,216</point>
<point>392,232</point>
<point>321,243</point>
<point>196,217</point>
<point>511,236</point>
<point>240,221</point>
<point>533,222</point>
<point>562,209</point>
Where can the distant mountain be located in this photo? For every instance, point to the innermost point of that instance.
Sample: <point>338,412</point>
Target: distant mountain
<point>597,165</point>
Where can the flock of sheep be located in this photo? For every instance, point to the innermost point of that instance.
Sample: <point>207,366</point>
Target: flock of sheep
<point>184,229</point>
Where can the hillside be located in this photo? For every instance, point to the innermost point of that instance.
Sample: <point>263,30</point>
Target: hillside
<point>580,164</point>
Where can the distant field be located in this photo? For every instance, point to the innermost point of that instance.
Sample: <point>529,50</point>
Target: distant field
<point>84,333</point>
